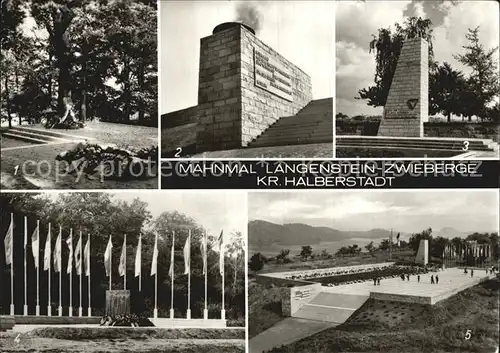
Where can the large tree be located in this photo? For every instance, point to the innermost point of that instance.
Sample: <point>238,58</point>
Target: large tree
<point>387,50</point>
<point>447,89</point>
<point>484,80</point>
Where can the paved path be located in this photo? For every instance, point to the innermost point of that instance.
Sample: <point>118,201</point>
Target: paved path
<point>285,332</point>
<point>449,279</point>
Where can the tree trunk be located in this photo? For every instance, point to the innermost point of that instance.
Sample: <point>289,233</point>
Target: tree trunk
<point>126,90</point>
<point>7,101</point>
<point>140,78</point>
<point>49,89</point>
<point>83,103</point>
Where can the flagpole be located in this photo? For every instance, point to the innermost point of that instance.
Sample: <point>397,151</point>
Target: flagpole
<point>223,311</point>
<point>25,308</point>
<point>188,314</point>
<point>37,308</point>
<point>80,309</point>
<point>390,247</point>
<point>172,313</point>
<point>110,264</point>
<point>205,265</point>
<point>71,275</point>
<point>49,308</point>
<point>12,264</point>
<point>125,263</point>
<point>90,307</point>
<point>155,311</point>
<point>60,271</point>
<point>140,263</point>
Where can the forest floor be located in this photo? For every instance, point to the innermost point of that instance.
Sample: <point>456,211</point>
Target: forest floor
<point>35,167</point>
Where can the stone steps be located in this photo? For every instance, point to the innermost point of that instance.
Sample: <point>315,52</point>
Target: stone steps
<point>417,143</point>
<point>25,138</point>
<point>313,124</point>
<point>331,307</point>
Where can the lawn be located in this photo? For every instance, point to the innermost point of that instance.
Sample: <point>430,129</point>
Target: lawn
<point>113,340</point>
<point>410,328</point>
<point>264,308</point>
<point>37,167</point>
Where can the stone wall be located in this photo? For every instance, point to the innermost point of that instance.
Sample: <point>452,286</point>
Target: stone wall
<point>179,117</point>
<point>407,105</point>
<point>219,91</point>
<point>261,108</point>
<point>431,129</point>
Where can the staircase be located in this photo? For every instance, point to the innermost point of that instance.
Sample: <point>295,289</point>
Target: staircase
<point>313,124</point>
<point>424,143</point>
<point>331,307</point>
<point>38,136</point>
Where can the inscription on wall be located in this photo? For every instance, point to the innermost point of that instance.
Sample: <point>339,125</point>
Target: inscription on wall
<point>272,76</point>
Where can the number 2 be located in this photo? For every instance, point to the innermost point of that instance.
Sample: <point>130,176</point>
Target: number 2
<point>178,153</point>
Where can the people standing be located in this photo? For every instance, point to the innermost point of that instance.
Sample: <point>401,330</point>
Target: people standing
<point>437,279</point>
<point>418,278</point>
<point>378,281</point>
<point>432,279</point>
<point>408,277</point>
<point>472,273</point>
<point>374,281</point>
<point>465,270</point>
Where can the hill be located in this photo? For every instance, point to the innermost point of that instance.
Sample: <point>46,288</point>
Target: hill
<point>263,233</point>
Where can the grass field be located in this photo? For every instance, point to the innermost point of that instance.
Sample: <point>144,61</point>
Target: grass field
<point>410,328</point>
<point>99,340</point>
<point>264,308</point>
<point>37,167</point>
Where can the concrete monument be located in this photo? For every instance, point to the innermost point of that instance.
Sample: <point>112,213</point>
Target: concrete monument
<point>423,252</point>
<point>407,105</point>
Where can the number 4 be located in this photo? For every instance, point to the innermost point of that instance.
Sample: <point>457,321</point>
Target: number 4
<point>468,334</point>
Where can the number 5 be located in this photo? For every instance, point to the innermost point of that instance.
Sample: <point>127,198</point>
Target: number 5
<point>468,334</point>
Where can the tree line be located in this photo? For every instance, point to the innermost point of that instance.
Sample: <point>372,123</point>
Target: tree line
<point>451,91</point>
<point>99,215</point>
<point>436,247</point>
<point>99,54</point>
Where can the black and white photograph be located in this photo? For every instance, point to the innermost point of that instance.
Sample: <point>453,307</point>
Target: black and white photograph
<point>79,94</point>
<point>417,79</point>
<point>365,271</point>
<point>123,272</point>
<point>246,79</point>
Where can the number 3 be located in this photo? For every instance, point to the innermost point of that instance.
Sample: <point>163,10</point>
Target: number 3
<point>468,334</point>
<point>466,146</point>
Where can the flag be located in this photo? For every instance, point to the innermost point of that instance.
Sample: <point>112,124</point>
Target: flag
<point>221,253</point>
<point>35,245</point>
<point>154,263</point>
<point>86,256</point>
<point>138,258</point>
<point>203,248</point>
<point>171,269</point>
<point>78,256</point>
<point>121,266</point>
<point>57,254</point>
<point>8,242</point>
<point>187,255</point>
<point>69,242</point>
<point>107,257</point>
<point>397,238</point>
<point>47,253</point>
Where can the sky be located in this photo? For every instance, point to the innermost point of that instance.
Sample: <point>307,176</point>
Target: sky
<point>301,31</point>
<point>405,211</point>
<point>356,21</point>
<point>212,210</point>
